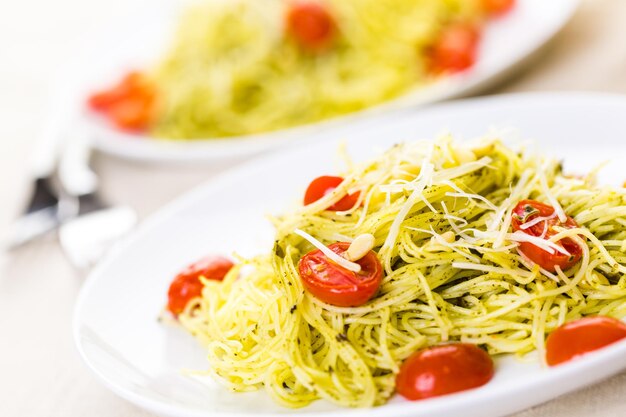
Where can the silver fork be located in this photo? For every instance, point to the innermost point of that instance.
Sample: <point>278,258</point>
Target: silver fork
<point>94,225</point>
<point>45,211</point>
<point>65,196</point>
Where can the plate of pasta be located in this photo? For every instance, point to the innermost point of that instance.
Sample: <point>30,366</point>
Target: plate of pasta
<point>443,263</point>
<point>212,78</point>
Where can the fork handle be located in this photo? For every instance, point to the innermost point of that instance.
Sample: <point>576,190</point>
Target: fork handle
<point>46,153</point>
<point>75,175</point>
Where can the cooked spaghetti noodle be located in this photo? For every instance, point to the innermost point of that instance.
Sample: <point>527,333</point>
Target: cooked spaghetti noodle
<point>440,214</point>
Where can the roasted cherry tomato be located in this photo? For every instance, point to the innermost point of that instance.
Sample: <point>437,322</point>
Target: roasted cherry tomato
<point>456,48</point>
<point>576,338</point>
<point>323,185</point>
<point>130,104</point>
<point>526,211</point>
<point>310,24</point>
<point>497,7</point>
<point>187,284</point>
<point>336,285</point>
<point>442,370</point>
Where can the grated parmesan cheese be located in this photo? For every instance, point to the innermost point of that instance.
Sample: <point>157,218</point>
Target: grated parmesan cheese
<point>537,220</point>
<point>341,261</point>
<point>551,198</point>
<point>424,179</point>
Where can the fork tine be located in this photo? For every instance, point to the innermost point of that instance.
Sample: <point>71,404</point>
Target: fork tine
<point>43,195</point>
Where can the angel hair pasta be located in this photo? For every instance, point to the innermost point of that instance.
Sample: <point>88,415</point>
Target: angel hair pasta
<point>454,269</point>
<point>241,67</point>
<point>231,70</point>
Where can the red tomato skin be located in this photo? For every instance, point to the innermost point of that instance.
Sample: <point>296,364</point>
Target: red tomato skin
<point>497,7</point>
<point>131,114</point>
<point>325,184</point>
<point>443,370</point>
<point>336,285</point>
<point>456,49</point>
<point>539,256</point>
<point>187,284</point>
<point>310,24</point>
<point>130,104</point>
<point>576,338</point>
<point>102,100</point>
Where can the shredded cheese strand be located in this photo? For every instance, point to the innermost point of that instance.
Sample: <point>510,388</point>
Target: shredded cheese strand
<point>343,262</point>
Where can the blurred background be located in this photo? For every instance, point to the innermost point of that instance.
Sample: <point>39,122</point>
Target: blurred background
<point>39,38</point>
<point>40,372</point>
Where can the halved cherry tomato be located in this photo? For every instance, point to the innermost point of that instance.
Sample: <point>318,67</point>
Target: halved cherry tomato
<point>526,211</point>
<point>456,48</point>
<point>579,337</point>
<point>442,370</point>
<point>310,24</point>
<point>336,285</point>
<point>497,7</point>
<point>323,185</point>
<point>130,104</point>
<point>187,284</point>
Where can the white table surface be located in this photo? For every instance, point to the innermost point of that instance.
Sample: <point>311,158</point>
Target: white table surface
<point>40,371</point>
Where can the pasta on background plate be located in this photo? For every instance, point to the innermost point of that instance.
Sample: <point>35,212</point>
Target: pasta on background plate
<point>240,67</point>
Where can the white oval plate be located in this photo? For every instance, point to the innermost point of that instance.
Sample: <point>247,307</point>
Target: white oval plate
<point>116,328</point>
<point>508,41</point>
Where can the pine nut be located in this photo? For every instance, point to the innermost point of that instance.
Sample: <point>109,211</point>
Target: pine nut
<point>359,247</point>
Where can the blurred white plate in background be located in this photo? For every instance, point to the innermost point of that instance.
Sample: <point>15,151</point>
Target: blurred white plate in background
<point>115,323</point>
<point>507,43</point>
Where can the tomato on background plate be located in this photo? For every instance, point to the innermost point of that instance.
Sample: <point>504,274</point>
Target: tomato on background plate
<point>497,7</point>
<point>456,49</point>
<point>527,210</point>
<point>442,370</point>
<point>130,104</point>
<point>310,24</point>
<point>579,337</point>
<point>187,285</point>
<point>333,284</point>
